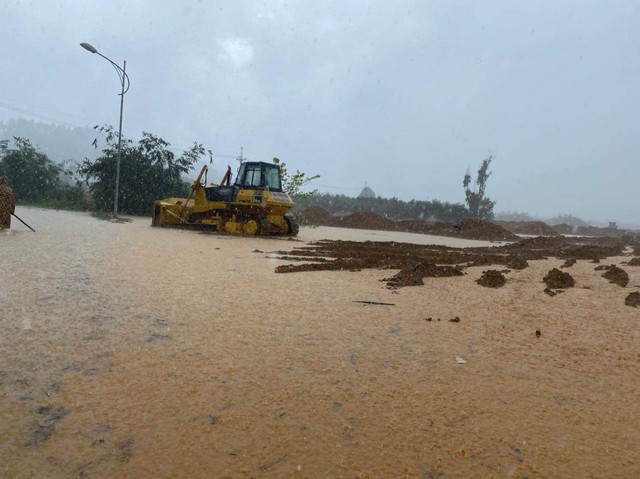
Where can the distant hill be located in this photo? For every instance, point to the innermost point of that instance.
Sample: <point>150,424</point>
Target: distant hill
<point>58,142</point>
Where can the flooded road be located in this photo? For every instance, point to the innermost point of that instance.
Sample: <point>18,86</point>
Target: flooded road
<point>130,351</point>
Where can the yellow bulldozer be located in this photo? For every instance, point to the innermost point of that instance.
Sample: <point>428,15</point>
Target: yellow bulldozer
<point>253,205</point>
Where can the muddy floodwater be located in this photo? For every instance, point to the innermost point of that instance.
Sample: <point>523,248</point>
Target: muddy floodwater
<point>128,351</point>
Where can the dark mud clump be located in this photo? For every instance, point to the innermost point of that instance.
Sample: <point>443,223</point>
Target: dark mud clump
<point>413,276</point>
<point>568,263</point>
<point>633,300</point>
<point>634,261</point>
<point>492,279</point>
<point>517,262</point>
<point>616,275</point>
<point>557,279</point>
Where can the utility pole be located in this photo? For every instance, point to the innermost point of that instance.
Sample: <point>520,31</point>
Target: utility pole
<point>241,158</point>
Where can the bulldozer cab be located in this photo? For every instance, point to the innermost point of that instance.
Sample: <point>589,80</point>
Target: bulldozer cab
<point>254,175</point>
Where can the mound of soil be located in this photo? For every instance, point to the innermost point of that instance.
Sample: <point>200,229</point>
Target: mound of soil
<point>492,279</point>
<point>616,275</point>
<point>633,300</point>
<point>315,215</point>
<point>538,228</point>
<point>634,261</point>
<point>477,229</point>
<point>370,221</point>
<point>413,276</point>
<point>568,263</point>
<point>564,229</point>
<point>516,262</point>
<point>557,279</point>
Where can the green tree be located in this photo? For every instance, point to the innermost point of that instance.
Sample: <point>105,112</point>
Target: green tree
<point>478,204</point>
<point>149,170</point>
<point>293,184</point>
<point>33,176</point>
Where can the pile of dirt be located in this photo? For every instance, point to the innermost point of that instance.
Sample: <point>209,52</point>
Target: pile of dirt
<point>616,275</point>
<point>413,276</point>
<point>315,215</point>
<point>492,279</point>
<point>634,261</point>
<point>568,263</point>
<point>516,262</point>
<point>477,229</point>
<point>557,279</point>
<point>564,229</point>
<point>369,221</point>
<point>538,228</point>
<point>633,300</point>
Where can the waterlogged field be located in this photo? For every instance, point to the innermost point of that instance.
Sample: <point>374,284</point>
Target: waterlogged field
<point>131,351</point>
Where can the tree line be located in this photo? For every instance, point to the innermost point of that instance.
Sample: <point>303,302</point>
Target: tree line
<point>477,203</point>
<point>390,207</point>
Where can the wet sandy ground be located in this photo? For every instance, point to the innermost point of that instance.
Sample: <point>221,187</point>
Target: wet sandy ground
<point>130,351</point>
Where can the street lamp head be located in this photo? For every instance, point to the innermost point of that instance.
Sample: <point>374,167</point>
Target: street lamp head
<point>88,47</point>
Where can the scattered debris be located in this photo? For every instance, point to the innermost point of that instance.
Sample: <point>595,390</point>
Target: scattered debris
<point>517,262</point>
<point>616,275</point>
<point>551,292</point>
<point>538,333</point>
<point>492,279</point>
<point>150,338</point>
<point>556,279</point>
<point>375,303</point>
<point>633,300</point>
<point>459,360</point>
<point>455,320</point>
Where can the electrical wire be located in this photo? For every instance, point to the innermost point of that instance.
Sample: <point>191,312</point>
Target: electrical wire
<point>40,116</point>
<point>11,100</point>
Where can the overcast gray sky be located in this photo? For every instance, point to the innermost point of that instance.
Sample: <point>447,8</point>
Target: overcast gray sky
<point>402,94</point>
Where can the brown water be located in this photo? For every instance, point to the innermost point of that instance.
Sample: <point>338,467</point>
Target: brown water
<point>130,351</point>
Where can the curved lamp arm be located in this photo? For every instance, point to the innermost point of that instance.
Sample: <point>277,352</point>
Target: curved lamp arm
<point>122,74</point>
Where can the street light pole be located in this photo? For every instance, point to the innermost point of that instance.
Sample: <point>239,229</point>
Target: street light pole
<point>122,74</point>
